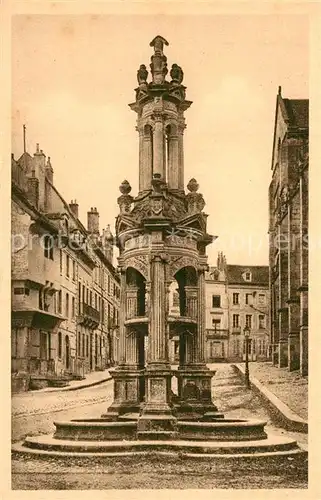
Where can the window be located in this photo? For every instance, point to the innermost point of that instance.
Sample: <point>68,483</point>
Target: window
<point>91,298</point>
<point>247,276</point>
<point>87,296</point>
<point>108,284</point>
<point>236,320</point>
<point>73,307</point>
<point>261,321</point>
<point>67,305</point>
<point>262,299</point>
<point>216,301</point>
<point>236,347</point>
<point>60,259</point>
<point>40,299</point>
<point>48,247</point>
<point>248,320</point>
<point>59,345</point>
<point>95,300</point>
<point>83,345</point>
<point>248,298</point>
<point>78,342</point>
<point>102,311</point>
<point>21,291</point>
<point>236,299</point>
<point>83,293</point>
<point>79,297</point>
<point>73,270</point>
<point>87,346</point>
<point>67,265</point>
<point>59,301</point>
<point>216,323</point>
<point>108,315</point>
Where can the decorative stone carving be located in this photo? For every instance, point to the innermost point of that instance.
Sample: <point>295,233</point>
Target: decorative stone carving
<point>195,201</point>
<point>177,74</point>
<point>158,64</point>
<point>142,74</point>
<point>140,263</point>
<point>175,264</point>
<point>125,200</point>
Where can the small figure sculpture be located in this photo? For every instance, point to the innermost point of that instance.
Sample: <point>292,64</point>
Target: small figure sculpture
<point>177,74</point>
<point>142,74</point>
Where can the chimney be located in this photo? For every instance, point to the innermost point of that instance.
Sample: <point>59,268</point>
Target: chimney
<point>93,221</point>
<point>73,205</point>
<point>33,189</point>
<point>49,171</point>
<point>39,166</point>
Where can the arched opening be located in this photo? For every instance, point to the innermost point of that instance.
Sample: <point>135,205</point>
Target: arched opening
<point>136,306</point>
<point>186,288</point>
<point>136,291</point>
<point>67,352</point>
<point>185,277</point>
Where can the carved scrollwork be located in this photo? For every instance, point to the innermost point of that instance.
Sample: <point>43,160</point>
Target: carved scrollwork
<point>175,264</point>
<point>140,263</point>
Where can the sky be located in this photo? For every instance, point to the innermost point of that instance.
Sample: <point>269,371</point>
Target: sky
<point>74,76</point>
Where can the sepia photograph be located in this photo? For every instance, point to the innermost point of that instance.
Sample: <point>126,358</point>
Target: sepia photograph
<point>159,250</point>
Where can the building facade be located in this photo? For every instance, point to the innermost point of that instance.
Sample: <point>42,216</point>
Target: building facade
<point>288,233</point>
<point>65,289</point>
<point>237,296</point>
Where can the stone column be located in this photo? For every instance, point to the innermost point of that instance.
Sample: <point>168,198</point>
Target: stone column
<point>158,147</point>
<point>157,420</point>
<point>173,164</point>
<point>132,357</point>
<point>131,301</point>
<point>304,274</point>
<point>181,156</point>
<point>294,283</point>
<point>156,346</point>
<point>191,301</point>
<point>146,160</point>
<point>283,295</point>
<point>122,328</point>
<point>201,332</point>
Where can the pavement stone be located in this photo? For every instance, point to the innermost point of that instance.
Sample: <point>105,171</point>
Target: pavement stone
<point>290,387</point>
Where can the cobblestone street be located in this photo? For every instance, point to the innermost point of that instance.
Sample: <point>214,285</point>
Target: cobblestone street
<point>230,396</point>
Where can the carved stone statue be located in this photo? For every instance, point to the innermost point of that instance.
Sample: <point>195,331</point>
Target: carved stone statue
<point>142,74</point>
<point>158,64</point>
<point>177,74</point>
<point>195,201</point>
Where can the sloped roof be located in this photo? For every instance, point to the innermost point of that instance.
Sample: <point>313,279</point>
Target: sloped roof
<point>260,274</point>
<point>298,112</point>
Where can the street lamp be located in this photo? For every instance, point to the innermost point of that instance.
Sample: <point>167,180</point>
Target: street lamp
<point>246,332</point>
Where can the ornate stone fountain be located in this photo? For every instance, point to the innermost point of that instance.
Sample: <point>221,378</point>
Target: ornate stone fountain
<point>162,238</point>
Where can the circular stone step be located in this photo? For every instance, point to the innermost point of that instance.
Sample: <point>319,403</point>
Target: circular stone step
<point>48,445</point>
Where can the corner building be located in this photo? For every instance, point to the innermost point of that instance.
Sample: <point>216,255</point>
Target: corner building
<point>237,297</point>
<point>288,233</point>
<point>64,316</point>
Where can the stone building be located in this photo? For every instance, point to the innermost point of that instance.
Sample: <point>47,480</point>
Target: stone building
<point>288,232</point>
<point>237,296</point>
<point>65,290</point>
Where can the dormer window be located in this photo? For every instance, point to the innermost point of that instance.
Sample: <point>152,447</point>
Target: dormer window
<point>247,276</point>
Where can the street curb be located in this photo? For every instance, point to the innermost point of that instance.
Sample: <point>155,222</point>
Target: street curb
<point>280,412</point>
<point>84,386</point>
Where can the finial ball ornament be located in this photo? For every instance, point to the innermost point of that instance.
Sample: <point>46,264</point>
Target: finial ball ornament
<point>125,187</point>
<point>193,185</point>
